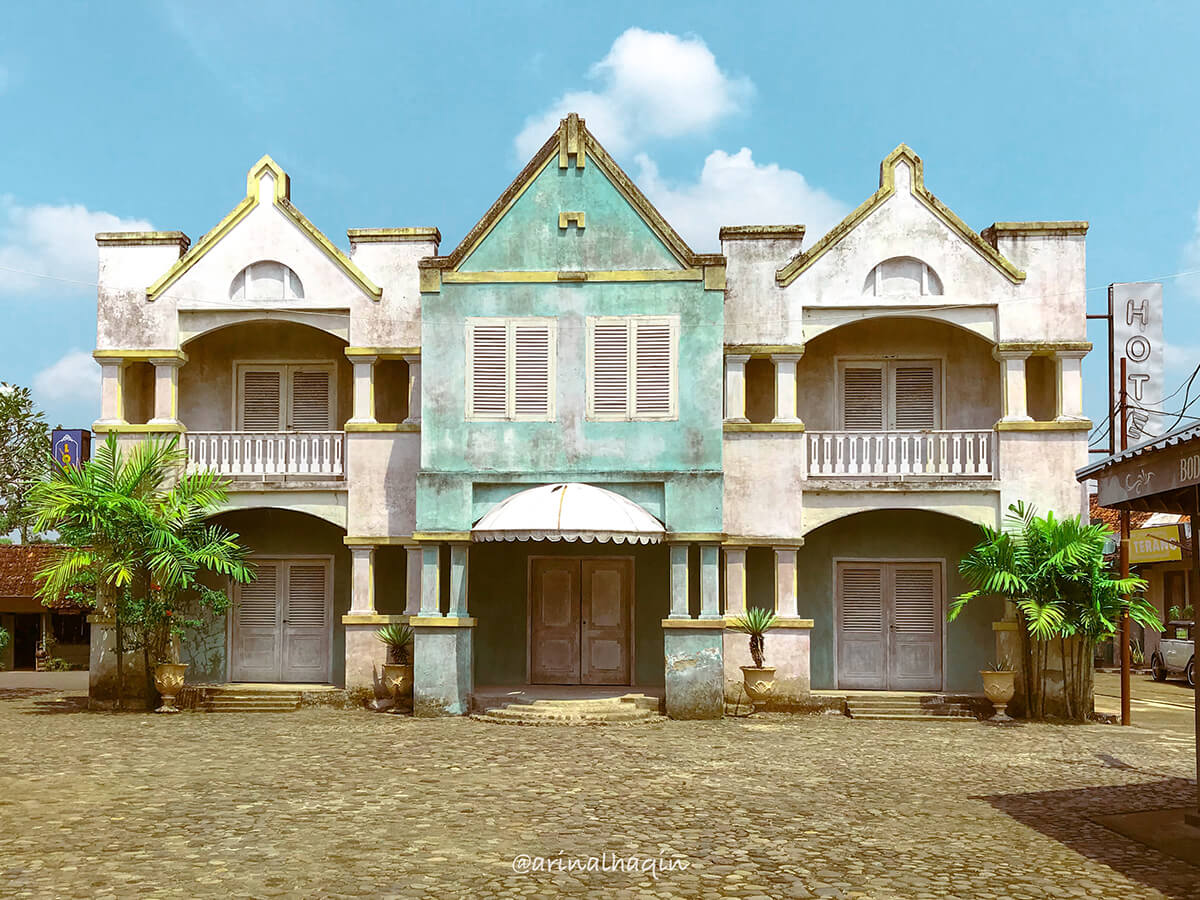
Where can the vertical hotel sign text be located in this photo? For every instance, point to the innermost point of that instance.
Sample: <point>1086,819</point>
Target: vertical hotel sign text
<point>1137,335</point>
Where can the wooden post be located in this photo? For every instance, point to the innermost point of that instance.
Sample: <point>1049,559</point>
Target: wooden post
<point>1193,818</point>
<point>1126,714</point>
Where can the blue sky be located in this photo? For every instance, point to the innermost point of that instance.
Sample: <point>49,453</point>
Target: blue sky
<point>131,115</point>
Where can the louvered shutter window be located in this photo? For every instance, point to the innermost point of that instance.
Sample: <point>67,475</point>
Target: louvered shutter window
<point>610,369</point>
<point>914,396</point>
<point>862,399</point>
<point>257,600</point>
<point>654,369</point>
<point>489,355</point>
<point>262,399</point>
<point>916,600</point>
<point>306,601</point>
<point>531,362</point>
<point>862,599</point>
<point>311,403</point>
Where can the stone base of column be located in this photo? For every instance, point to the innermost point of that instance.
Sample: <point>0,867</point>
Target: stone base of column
<point>443,665</point>
<point>694,673</point>
<point>365,653</point>
<point>102,670</point>
<point>787,648</point>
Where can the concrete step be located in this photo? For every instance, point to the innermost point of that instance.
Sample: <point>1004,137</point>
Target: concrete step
<point>604,711</point>
<point>915,717</point>
<point>908,708</point>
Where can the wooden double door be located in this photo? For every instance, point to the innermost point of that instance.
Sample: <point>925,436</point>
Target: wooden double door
<point>283,623</point>
<point>580,620</point>
<point>889,625</point>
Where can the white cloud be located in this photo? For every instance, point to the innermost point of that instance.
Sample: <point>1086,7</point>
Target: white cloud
<point>58,241</point>
<point>735,190</point>
<point>73,376</point>
<point>650,85</point>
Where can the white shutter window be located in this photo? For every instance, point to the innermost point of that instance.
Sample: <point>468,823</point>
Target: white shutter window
<point>510,369</point>
<point>257,601</point>
<point>262,399</point>
<point>862,398</point>
<point>916,599</point>
<point>307,604</point>
<point>531,368</point>
<point>914,396</point>
<point>862,599</point>
<point>610,370</point>
<point>655,370</point>
<point>312,400</point>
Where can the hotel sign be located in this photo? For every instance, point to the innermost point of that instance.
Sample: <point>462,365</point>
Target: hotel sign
<point>1137,335</point>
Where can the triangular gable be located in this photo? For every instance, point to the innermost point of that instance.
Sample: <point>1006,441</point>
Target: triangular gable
<point>573,147</point>
<point>282,200</point>
<point>887,187</point>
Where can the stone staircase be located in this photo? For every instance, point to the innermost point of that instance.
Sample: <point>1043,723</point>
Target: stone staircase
<point>244,699</point>
<point>909,708</point>
<point>631,709</point>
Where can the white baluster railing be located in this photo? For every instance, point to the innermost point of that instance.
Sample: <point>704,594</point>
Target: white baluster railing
<point>939,454</point>
<point>242,453</point>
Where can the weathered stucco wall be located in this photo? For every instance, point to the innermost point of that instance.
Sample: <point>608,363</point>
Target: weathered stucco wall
<point>897,534</point>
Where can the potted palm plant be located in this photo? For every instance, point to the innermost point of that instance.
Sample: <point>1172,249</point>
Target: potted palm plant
<point>1000,683</point>
<point>398,670</point>
<point>759,679</point>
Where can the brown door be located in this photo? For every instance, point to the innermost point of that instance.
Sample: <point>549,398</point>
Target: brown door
<point>580,629</point>
<point>604,648</point>
<point>889,623</point>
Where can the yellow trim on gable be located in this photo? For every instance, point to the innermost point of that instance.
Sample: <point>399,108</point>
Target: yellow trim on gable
<point>282,201</point>
<point>887,187</point>
<point>550,277</point>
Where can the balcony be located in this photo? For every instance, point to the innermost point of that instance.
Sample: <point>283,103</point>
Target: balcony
<point>889,454</point>
<point>242,454</point>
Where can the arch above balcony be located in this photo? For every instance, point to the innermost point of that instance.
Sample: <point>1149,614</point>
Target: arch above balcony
<point>197,323</point>
<point>978,319</point>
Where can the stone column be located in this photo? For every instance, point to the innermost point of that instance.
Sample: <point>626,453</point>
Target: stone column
<point>430,580</point>
<point>112,391</point>
<point>679,582</point>
<point>735,581</point>
<point>412,571</point>
<point>1069,385</point>
<point>414,390</point>
<point>735,387</point>
<point>1015,395</point>
<point>166,391</point>
<point>785,387</point>
<point>458,580</point>
<point>785,582</point>
<point>362,580</point>
<point>364,390</point>
<point>710,582</point>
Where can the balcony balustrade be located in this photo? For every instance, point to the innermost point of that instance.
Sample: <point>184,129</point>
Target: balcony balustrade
<point>937,454</point>
<point>258,453</point>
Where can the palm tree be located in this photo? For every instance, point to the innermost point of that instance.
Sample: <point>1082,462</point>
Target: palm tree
<point>755,622</point>
<point>136,525</point>
<point>1054,572</point>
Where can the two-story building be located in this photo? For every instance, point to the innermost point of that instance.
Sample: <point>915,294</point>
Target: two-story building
<point>570,449</point>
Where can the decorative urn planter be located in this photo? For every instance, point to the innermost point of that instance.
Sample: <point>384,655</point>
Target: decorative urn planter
<point>999,687</point>
<point>760,683</point>
<point>398,681</point>
<point>168,678</point>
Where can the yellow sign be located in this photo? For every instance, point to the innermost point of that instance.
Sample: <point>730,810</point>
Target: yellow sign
<point>1158,544</point>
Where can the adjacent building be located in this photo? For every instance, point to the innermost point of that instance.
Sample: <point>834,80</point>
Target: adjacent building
<point>570,450</point>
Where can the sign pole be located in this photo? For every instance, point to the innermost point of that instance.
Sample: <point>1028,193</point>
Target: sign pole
<point>1193,818</point>
<point>1126,715</point>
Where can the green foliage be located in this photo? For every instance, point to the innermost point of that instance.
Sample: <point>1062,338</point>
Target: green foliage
<point>1054,572</point>
<point>4,638</point>
<point>755,622</point>
<point>1178,613</point>
<point>139,530</point>
<point>1004,664</point>
<point>398,638</point>
<point>24,457</point>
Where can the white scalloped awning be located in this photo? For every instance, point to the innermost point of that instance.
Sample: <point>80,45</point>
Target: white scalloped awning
<point>569,512</point>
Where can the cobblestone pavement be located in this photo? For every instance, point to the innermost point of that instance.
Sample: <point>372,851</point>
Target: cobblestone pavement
<point>346,803</point>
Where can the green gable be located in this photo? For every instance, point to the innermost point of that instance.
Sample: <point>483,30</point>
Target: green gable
<point>528,238</point>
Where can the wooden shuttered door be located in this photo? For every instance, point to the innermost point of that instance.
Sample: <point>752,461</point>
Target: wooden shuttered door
<point>891,396</point>
<point>286,398</point>
<point>632,368</point>
<point>312,400</point>
<point>889,625</point>
<point>511,370</point>
<point>282,627</point>
<point>261,399</point>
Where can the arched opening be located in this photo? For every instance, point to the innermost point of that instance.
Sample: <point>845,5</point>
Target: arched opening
<point>902,276</point>
<point>877,586</point>
<point>266,280</point>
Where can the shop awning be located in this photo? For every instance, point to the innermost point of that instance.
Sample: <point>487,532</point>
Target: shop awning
<point>569,512</point>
